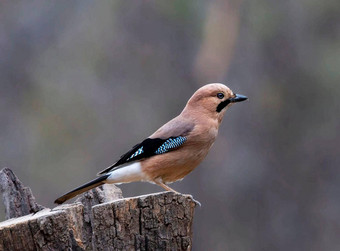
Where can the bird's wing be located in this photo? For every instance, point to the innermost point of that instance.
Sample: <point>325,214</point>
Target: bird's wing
<point>146,149</point>
<point>167,138</point>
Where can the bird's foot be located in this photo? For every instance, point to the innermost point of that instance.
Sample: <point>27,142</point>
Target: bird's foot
<point>196,201</point>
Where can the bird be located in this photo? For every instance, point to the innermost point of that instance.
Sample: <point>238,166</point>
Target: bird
<point>175,149</point>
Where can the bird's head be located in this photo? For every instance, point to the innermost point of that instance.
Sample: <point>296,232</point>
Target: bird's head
<point>213,100</point>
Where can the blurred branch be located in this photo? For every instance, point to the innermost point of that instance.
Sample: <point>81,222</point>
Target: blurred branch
<point>219,37</point>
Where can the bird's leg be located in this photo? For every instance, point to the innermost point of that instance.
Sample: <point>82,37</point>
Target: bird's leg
<point>158,182</point>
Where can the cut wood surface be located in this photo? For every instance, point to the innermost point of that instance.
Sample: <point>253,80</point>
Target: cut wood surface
<point>102,220</point>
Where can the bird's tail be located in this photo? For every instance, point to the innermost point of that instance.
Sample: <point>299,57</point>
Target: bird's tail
<point>92,184</point>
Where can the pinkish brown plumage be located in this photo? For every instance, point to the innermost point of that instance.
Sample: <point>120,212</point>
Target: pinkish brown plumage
<point>176,148</point>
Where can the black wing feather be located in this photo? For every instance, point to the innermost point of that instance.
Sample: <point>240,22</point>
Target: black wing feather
<point>146,149</point>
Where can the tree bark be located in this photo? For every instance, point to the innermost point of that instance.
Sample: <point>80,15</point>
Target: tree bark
<point>18,199</point>
<point>161,221</point>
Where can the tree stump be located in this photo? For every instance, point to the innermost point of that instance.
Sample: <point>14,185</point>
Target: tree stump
<point>161,221</point>
<point>18,199</point>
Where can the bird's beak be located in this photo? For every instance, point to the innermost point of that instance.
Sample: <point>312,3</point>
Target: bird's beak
<point>238,98</point>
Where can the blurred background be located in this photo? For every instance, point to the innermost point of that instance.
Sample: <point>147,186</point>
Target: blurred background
<point>83,81</point>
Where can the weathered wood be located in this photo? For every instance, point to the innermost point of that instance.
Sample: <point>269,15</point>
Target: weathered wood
<point>161,221</point>
<point>91,198</point>
<point>46,230</point>
<point>18,200</point>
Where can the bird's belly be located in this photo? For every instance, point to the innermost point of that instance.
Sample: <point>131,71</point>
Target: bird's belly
<point>178,173</point>
<point>172,166</point>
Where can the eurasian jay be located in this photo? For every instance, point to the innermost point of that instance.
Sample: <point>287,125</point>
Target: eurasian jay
<point>176,148</point>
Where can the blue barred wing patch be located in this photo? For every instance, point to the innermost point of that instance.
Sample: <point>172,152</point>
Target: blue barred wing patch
<point>138,152</point>
<point>170,144</point>
<point>146,149</point>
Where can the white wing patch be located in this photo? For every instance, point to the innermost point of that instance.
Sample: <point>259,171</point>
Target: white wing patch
<point>126,174</point>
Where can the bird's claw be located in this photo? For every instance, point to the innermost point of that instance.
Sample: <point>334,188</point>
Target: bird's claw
<point>196,201</point>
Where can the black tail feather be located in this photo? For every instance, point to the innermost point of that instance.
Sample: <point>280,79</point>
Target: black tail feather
<point>92,184</point>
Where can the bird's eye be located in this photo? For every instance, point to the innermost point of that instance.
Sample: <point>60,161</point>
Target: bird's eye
<point>220,95</point>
